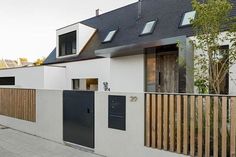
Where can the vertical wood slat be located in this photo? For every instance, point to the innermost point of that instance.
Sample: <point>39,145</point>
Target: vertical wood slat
<point>179,124</point>
<point>185,130</point>
<point>34,106</point>
<point>148,118</point>
<point>208,126</point>
<point>153,121</point>
<point>224,127</point>
<point>233,127</point>
<point>172,123</point>
<point>192,126</point>
<point>200,127</point>
<point>159,124</point>
<point>165,122</point>
<point>16,103</point>
<point>216,126</point>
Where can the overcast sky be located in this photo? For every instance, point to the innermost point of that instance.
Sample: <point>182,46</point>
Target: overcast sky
<point>28,27</point>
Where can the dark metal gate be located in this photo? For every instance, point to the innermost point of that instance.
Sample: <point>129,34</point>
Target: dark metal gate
<point>78,117</point>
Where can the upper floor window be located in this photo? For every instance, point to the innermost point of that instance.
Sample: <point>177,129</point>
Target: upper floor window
<point>148,28</point>
<point>67,44</point>
<point>187,18</point>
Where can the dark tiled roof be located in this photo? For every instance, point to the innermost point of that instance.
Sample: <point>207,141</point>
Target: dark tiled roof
<point>125,19</point>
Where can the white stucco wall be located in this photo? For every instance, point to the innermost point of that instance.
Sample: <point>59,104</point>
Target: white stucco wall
<point>117,143</point>
<point>96,68</point>
<point>127,74</point>
<point>41,77</point>
<point>28,77</point>
<point>54,77</point>
<point>48,117</point>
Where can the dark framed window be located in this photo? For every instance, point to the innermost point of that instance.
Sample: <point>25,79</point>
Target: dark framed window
<point>85,84</point>
<point>67,44</point>
<point>6,81</point>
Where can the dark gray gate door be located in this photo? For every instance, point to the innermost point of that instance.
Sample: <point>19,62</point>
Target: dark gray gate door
<point>78,117</point>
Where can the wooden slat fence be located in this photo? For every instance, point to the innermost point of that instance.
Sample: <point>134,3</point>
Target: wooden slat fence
<point>18,103</point>
<point>195,125</point>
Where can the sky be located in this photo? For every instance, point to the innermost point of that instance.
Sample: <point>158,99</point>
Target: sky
<point>28,27</point>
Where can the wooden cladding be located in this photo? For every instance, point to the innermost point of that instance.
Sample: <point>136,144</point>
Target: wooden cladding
<point>195,125</point>
<point>18,103</point>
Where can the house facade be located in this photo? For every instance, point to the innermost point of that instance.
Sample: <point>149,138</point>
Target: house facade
<point>142,47</point>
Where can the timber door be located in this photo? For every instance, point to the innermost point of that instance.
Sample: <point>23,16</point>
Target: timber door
<point>78,117</point>
<point>167,73</point>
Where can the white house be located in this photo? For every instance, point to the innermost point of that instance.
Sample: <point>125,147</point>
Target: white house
<point>130,49</point>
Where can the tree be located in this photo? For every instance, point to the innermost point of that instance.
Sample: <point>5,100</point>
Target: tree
<point>212,64</point>
<point>39,61</point>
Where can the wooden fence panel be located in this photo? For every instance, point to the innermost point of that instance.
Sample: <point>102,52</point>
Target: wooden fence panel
<point>159,122</point>
<point>185,119</point>
<point>172,123</point>
<point>200,125</point>
<point>179,125</point>
<point>192,126</point>
<point>208,126</point>
<point>148,118</point>
<point>166,123</point>
<point>189,124</point>
<point>18,103</point>
<point>153,139</point>
<point>233,128</point>
<point>224,127</point>
<point>216,126</point>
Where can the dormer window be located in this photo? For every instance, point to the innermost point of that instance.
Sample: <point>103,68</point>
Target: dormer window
<point>148,28</point>
<point>110,36</point>
<point>67,44</point>
<point>187,18</point>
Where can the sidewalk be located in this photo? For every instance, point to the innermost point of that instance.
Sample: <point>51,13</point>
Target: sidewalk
<point>18,144</point>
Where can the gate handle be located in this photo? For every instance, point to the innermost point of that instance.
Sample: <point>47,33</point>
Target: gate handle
<point>159,79</point>
<point>88,110</point>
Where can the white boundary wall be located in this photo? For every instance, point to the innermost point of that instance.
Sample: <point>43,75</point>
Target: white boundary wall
<point>108,142</point>
<point>48,117</point>
<point>117,143</point>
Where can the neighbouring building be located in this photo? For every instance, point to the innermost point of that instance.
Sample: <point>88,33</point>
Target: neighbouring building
<point>130,49</point>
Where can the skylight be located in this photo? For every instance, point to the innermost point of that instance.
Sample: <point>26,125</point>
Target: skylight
<point>148,28</point>
<point>188,16</point>
<point>110,36</point>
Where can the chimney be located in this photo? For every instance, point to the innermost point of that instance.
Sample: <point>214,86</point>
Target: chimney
<point>139,9</point>
<point>97,12</point>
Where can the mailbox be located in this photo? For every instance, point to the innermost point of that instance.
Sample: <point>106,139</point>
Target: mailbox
<point>117,112</point>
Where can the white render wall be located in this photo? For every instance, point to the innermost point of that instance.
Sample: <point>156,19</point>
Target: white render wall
<point>41,77</point>
<point>54,77</point>
<point>127,74</point>
<point>117,143</point>
<point>96,68</point>
<point>48,117</point>
<point>28,77</point>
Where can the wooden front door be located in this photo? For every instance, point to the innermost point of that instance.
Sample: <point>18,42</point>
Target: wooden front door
<point>167,73</point>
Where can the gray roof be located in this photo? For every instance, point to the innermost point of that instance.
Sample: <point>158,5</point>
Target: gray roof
<point>168,13</point>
